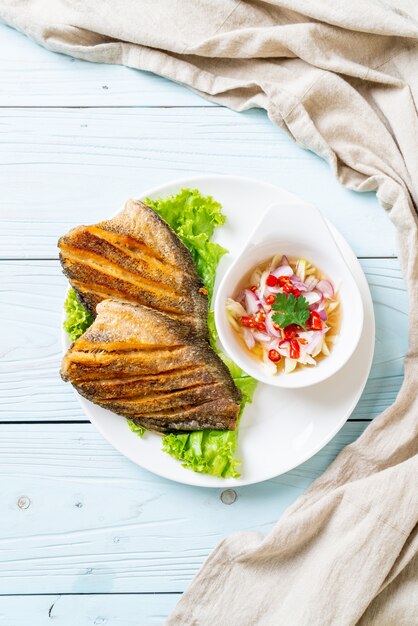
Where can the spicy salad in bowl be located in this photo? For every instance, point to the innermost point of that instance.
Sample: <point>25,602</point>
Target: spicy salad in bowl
<point>289,311</point>
<point>286,314</point>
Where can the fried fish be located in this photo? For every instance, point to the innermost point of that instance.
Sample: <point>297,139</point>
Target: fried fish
<point>153,369</point>
<point>135,257</point>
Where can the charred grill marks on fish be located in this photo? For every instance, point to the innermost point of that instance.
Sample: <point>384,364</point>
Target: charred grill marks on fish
<point>153,369</point>
<point>135,257</point>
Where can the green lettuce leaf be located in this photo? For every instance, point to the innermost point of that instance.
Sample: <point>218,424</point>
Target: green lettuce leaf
<point>194,218</point>
<point>206,451</point>
<point>78,319</point>
<point>136,428</point>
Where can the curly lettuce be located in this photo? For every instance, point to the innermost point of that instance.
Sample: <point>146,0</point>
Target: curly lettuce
<point>78,319</point>
<point>194,219</point>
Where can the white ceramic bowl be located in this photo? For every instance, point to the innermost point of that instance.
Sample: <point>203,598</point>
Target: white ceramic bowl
<point>296,230</point>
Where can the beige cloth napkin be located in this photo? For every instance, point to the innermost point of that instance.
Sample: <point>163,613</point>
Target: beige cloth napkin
<point>342,79</point>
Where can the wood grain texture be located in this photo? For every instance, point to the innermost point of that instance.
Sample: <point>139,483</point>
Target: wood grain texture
<point>31,296</point>
<point>33,76</point>
<point>87,610</point>
<point>63,167</point>
<point>78,517</point>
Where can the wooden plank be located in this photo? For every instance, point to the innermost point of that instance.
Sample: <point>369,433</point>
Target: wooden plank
<point>33,76</point>
<point>78,517</point>
<point>62,167</point>
<point>32,298</point>
<point>87,610</point>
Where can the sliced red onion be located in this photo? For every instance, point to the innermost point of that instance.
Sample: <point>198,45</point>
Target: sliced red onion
<point>312,297</point>
<point>325,287</point>
<point>284,260</point>
<point>272,290</point>
<point>248,338</point>
<point>296,282</point>
<point>273,344</point>
<point>311,282</point>
<point>323,315</point>
<point>240,297</point>
<point>321,306</point>
<point>315,339</point>
<point>282,270</point>
<point>270,328</point>
<point>260,336</point>
<point>252,302</point>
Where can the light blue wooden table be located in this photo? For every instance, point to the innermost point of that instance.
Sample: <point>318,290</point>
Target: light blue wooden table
<point>86,536</point>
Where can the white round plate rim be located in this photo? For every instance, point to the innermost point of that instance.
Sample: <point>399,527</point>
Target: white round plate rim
<point>123,440</point>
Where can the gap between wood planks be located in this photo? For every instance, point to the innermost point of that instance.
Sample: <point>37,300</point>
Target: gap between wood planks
<point>92,593</point>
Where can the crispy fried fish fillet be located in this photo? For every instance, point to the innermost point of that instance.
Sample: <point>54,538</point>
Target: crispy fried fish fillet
<point>153,369</point>
<point>135,257</point>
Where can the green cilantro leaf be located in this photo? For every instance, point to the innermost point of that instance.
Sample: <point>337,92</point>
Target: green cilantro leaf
<point>290,310</point>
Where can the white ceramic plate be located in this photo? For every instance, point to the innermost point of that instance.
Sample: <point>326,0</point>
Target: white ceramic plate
<point>282,428</point>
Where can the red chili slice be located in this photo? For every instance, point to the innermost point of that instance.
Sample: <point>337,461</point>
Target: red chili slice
<point>271,281</point>
<point>315,322</point>
<point>248,321</point>
<point>294,349</point>
<point>270,299</point>
<point>290,332</point>
<point>274,356</point>
<point>261,326</point>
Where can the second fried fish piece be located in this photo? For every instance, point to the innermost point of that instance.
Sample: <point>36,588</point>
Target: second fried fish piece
<point>152,369</point>
<point>135,257</point>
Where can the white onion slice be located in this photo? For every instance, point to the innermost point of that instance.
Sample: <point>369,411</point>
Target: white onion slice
<point>270,328</point>
<point>262,287</point>
<point>269,367</point>
<point>318,349</point>
<point>332,306</point>
<point>260,336</point>
<point>282,270</point>
<point>312,297</point>
<point>276,261</point>
<point>311,282</point>
<point>325,287</point>
<point>235,308</point>
<point>255,276</point>
<point>325,348</point>
<point>252,302</point>
<point>301,269</point>
<point>289,365</point>
<point>248,338</point>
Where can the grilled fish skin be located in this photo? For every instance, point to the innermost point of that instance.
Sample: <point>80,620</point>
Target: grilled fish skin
<point>138,258</point>
<point>153,369</point>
